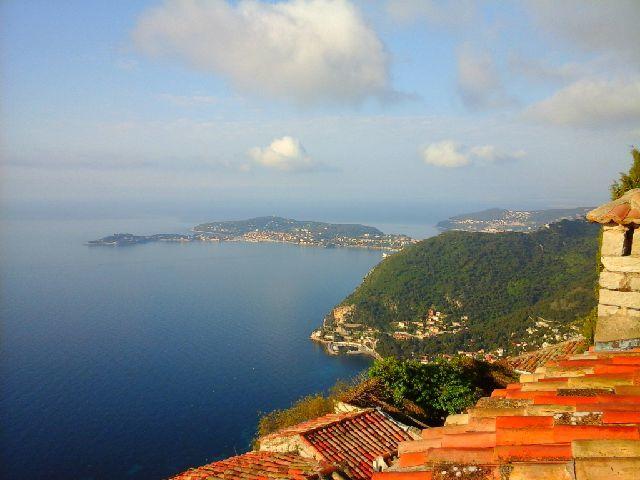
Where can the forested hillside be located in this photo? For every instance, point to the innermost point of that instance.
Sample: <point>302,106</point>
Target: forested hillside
<point>503,282</point>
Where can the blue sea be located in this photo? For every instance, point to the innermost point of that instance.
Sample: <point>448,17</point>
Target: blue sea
<point>139,362</point>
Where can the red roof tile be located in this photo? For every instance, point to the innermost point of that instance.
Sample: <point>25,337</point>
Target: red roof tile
<point>528,362</point>
<point>575,409</point>
<point>625,210</point>
<point>259,465</point>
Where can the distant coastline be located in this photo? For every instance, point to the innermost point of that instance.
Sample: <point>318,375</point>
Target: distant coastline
<point>272,230</point>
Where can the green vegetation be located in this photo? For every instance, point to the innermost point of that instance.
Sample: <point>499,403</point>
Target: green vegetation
<point>502,282</point>
<point>628,180</point>
<point>279,224</point>
<point>408,390</point>
<point>440,388</point>
<point>303,409</point>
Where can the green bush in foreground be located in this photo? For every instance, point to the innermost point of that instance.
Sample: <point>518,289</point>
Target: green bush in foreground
<point>440,388</point>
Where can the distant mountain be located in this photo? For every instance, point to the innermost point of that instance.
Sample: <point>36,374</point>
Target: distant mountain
<point>509,290</point>
<point>501,220</point>
<point>322,230</point>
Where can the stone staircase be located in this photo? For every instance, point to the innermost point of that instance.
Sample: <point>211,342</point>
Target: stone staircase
<point>577,418</point>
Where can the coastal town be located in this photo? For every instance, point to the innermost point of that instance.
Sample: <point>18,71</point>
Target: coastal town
<point>273,230</point>
<point>340,335</point>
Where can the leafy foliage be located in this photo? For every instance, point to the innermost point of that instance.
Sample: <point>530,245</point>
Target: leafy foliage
<point>628,180</point>
<point>440,388</point>
<point>303,409</point>
<point>501,281</point>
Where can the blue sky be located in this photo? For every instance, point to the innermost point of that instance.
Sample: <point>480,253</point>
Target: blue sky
<point>294,105</point>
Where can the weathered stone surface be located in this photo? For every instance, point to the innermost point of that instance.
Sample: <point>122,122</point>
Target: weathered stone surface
<point>621,299</point>
<point>633,281</point>
<point>622,264</point>
<point>607,310</point>
<point>612,280</point>
<point>459,419</point>
<point>607,468</point>
<point>624,324</point>
<point>542,471</point>
<point>613,240</point>
<point>606,448</point>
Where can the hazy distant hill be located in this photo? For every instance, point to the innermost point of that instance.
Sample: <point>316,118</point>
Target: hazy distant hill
<point>502,282</point>
<point>501,220</point>
<point>286,225</point>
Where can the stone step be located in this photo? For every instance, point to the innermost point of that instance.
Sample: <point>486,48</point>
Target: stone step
<point>525,436</point>
<point>606,448</point>
<point>413,459</point>
<point>458,419</point>
<point>419,445</point>
<point>550,452</point>
<point>627,389</point>
<point>569,433</point>
<point>599,381</point>
<point>540,471</point>
<point>524,422</point>
<point>621,417</point>
<point>542,386</point>
<point>550,409</point>
<point>415,475</point>
<point>469,440</point>
<point>531,377</point>
<point>472,456</point>
<point>609,468</point>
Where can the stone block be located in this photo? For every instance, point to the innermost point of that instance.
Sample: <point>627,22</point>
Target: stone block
<point>624,324</point>
<point>634,282</point>
<point>612,280</point>
<point>542,471</point>
<point>622,264</point>
<point>459,419</point>
<point>613,241</point>
<point>607,310</point>
<point>607,468</point>
<point>620,299</point>
<point>605,448</point>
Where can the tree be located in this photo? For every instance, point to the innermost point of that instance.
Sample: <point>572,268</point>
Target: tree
<point>628,180</point>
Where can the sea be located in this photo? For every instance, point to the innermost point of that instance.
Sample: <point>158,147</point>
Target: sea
<point>139,362</point>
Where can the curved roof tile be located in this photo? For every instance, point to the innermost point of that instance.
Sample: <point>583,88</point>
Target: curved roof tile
<point>624,211</point>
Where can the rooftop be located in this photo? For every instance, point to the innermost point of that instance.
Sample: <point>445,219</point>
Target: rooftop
<point>625,210</point>
<point>576,418</point>
<point>351,440</point>
<point>260,465</point>
<point>529,361</point>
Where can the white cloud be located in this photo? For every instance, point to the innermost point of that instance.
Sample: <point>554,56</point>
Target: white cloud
<point>450,154</point>
<point>445,154</point>
<point>307,51</point>
<point>609,27</point>
<point>479,83</point>
<point>591,103</point>
<point>284,154</point>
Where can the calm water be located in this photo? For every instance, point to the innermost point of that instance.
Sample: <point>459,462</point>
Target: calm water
<point>139,362</point>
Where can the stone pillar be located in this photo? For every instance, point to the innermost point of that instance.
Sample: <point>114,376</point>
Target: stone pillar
<point>618,325</point>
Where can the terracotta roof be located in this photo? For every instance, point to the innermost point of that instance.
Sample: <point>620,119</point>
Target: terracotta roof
<point>576,418</point>
<point>258,466</point>
<point>529,361</point>
<point>625,210</point>
<point>350,440</point>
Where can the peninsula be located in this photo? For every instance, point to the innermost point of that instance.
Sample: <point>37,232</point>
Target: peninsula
<point>496,220</point>
<point>273,229</point>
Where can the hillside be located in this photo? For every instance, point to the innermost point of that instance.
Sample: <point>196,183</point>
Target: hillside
<point>286,225</point>
<point>501,220</point>
<point>492,291</point>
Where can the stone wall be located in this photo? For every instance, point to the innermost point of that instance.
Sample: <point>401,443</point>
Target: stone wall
<point>618,325</point>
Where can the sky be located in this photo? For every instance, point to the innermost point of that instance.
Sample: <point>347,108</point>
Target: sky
<point>332,108</point>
